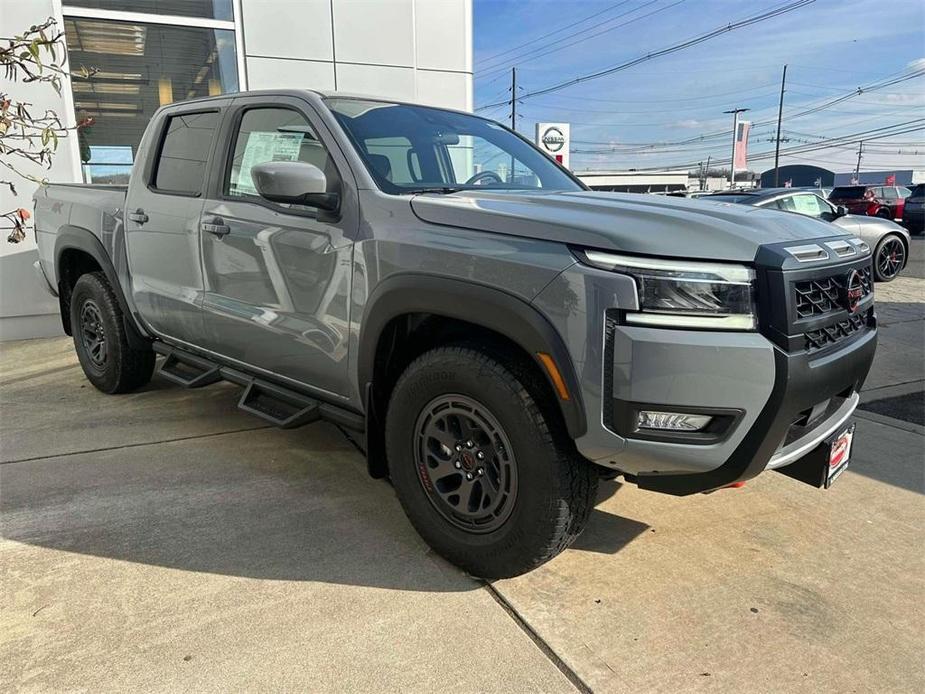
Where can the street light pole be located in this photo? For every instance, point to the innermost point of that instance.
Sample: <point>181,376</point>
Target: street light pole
<point>735,131</point>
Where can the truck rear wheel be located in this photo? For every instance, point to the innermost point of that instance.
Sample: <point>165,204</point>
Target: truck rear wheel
<point>481,463</point>
<point>108,361</point>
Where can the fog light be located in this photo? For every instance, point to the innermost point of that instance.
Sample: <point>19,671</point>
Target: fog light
<point>671,421</point>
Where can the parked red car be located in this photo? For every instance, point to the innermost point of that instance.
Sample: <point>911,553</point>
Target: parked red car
<point>873,201</point>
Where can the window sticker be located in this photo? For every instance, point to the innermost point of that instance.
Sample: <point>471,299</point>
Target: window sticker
<point>263,147</point>
<point>805,204</point>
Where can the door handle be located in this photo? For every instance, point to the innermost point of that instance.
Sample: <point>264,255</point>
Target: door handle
<point>138,216</point>
<point>216,226</point>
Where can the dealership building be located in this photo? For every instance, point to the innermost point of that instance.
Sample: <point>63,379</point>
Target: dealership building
<point>149,53</point>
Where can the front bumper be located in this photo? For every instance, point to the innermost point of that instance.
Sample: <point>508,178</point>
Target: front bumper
<point>812,398</point>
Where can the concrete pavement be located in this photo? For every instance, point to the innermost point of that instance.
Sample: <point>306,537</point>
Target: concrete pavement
<point>164,541</point>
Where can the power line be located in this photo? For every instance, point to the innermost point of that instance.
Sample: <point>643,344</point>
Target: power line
<point>873,134</point>
<point>719,31</point>
<point>814,108</point>
<point>545,50</point>
<point>491,58</point>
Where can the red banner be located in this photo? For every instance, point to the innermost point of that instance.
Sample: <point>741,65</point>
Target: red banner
<point>740,160</point>
<point>890,180</point>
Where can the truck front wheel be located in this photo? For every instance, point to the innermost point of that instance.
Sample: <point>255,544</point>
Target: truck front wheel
<point>482,464</point>
<point>108,361</point>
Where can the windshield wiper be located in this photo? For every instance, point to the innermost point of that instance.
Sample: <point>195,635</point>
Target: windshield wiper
<point>443,190</point>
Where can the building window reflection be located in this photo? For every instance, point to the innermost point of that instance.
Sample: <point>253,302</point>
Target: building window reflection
<point>139,68</point>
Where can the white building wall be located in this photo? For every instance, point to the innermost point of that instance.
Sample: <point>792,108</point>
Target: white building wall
<point>26,309</point>
<point>415,50</point>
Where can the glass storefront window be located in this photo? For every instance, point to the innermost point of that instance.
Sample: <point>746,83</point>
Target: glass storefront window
<point>139,68</point>
<point>208,9</point>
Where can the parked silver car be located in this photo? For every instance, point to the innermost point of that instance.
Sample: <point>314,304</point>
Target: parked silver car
<point>889,240</point>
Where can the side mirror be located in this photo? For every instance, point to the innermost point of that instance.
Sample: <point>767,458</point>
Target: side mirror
<point>841,211</point>
<point>294,183</point>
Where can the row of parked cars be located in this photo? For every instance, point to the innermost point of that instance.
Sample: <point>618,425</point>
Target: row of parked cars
<point>870,212</point>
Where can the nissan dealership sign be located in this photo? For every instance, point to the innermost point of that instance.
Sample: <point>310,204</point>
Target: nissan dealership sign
<point>553,138</point>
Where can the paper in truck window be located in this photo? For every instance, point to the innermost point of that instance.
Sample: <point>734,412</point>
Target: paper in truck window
<point>263,147</point>
<point>805,204</point>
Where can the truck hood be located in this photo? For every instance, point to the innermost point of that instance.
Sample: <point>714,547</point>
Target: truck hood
<point>627,222</point>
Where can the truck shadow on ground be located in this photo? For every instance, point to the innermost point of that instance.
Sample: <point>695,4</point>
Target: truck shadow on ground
<point>270,504</point>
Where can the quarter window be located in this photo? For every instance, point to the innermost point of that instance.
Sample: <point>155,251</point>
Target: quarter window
<point>274,134</point>
<point>181,165</point>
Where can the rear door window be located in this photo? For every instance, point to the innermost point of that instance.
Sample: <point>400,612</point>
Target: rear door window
<point>184,154</point>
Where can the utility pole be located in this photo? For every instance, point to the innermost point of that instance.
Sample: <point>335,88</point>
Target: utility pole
<point>780,116</point>
<point>514,99</point>
<point>735,131</point>
<point>706,173</point>
<point>857,169</point>
<point>513,113</point>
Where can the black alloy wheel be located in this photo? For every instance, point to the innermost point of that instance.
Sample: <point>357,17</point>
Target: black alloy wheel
<point>891,256</point>
<point>465,463</point>
<point>108,361</point>
<point>93,333</point>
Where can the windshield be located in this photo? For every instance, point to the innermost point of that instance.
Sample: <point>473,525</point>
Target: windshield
<point>415,148</point>
<point>848,192</point>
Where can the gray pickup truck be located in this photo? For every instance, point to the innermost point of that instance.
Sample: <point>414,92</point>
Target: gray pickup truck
<point>498,336</point>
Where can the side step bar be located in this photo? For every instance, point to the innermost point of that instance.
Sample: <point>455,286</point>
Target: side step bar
<point>188,370</point>
<point>279,405</point>
<point>284,408</point>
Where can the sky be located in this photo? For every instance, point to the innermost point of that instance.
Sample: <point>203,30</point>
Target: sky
<point>629,119</point>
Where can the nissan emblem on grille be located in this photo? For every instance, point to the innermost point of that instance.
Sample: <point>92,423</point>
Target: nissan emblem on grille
<point>853,292</point>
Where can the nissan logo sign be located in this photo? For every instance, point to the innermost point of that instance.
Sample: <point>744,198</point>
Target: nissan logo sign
<point>553,139</point>
<point>854,291</point>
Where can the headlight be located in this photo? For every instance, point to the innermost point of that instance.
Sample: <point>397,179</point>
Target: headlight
<point>685,294</point>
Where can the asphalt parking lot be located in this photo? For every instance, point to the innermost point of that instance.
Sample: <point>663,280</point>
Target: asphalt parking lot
<point>164,540</point>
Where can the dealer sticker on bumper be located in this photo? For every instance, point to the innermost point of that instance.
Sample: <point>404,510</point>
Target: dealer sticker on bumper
<point>839,455</point>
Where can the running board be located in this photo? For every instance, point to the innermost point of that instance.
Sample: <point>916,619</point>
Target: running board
<point>284,408</point>
<point>189,370</point>
<point>277,404</point>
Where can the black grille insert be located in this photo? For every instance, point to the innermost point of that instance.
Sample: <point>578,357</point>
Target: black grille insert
<point>816,297</point>
<point>836,332</point>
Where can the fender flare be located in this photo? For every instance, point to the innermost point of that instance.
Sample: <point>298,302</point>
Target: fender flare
<point>474,303</point>
<point>71,237</point>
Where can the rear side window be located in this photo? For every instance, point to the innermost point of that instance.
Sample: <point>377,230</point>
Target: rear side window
<point>181,164</point>
<point>848,192</point>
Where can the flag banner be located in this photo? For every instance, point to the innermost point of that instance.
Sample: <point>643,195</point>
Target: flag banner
<point>740,160</point>
<point>890,180</point>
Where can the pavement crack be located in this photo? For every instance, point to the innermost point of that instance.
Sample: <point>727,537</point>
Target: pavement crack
<point>538,640</point>
<point>136,445</point>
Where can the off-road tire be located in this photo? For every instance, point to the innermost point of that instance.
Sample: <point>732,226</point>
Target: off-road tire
<point>556,487</point>
<point>123,368</point>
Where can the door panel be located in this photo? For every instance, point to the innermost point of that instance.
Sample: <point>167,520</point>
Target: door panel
<point>277,279</point>
<point>162,222</point>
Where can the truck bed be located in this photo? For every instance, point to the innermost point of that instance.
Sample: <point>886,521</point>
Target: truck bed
<point>95,207</point>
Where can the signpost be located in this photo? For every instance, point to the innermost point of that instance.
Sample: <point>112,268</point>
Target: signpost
<point>553,138</point>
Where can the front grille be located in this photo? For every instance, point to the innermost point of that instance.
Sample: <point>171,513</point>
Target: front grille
<point>836,332</point>
<point>816,297</point>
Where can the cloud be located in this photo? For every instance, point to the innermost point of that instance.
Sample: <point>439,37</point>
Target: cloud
<point>917,64</point>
